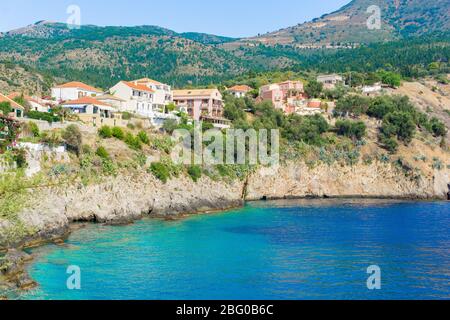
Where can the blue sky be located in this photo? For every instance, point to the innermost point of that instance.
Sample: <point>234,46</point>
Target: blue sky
<point>235,18</point>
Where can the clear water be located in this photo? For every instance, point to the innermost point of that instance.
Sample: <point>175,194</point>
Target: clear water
<point>273,250</point>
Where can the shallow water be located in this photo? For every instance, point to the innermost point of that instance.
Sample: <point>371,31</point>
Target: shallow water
<point>310,249</point>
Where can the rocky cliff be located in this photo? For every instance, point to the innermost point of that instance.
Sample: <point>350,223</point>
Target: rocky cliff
<point>129,197</point>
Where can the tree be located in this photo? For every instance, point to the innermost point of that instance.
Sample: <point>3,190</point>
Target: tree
<point>351,129</point>
<point>170,125</point>
<point>390,78</point>
<point>400,124</point>
<point>73,138</point>
<point>313,89</point>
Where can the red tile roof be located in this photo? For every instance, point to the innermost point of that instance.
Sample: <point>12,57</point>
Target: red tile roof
<point>86,101</point>
<point>139,87</point>
<point>14,104</point>
<point>241,88</point>
<point>79,85</point>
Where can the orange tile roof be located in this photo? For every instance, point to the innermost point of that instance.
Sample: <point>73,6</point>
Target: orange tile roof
<point>79,85</point>
<point>242,88</point>
<point>14,104</point>
<point>139,87</point>
<point>86,100</point>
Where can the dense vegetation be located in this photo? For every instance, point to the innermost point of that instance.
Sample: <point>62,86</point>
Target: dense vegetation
<point>98,56</point>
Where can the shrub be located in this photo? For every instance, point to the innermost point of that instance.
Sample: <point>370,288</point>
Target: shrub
<point>109,168</point>
<point>390,144</point>
<point>102,153</point>
<point>105,132</point>
<point>5,107</point>
<point>143,137</point>
<point>20,157</point>
<point>195,172</point>
<point>126,116</point>
<point>131,126</point>
<point>160,171</point>
<point>118,133</point>
<point>400,124</point>
<point>170,125</point>
<point>45,116</point>
<point>438,128</point>
<point>351,129</point>
<point>51,138</point>
<point>34,129</point>
<point>133,142</point>
<point>73,138</point>
<point>86,149</point>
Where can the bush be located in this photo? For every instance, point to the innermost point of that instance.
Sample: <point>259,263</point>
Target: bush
<point>5,107</point>
<point>34,129</point>
<point>105,132</point>
<point>390,144</point>
<point>45,116</point>
<point>160,171</point>
<point>102,153</point>
<point>126,116</point>
<point>20,157</point>
<point>73,138</point>
<point>143,137</point>
<point>133,142</point>
<point>170,125</point>
<point>438,128</point>
<point>195,172</point>
<point>400,124</point>
<point>118,133</point>
<point>351,129</point>
<point>86,149</point>
<point>131,126</point>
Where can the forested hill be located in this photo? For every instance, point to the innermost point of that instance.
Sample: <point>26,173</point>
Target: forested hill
<point>101,56</point>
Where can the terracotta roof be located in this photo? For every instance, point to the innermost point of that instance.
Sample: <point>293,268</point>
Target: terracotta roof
<point>14,104</point>
<point>86,101</point>
<point>241,88</point>
<point>139,87</point>
<point>79,85</point>
<point>147,80</point>
<point>194,92</point>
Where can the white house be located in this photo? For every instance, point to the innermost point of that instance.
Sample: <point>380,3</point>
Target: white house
<point>330,81</point>
<point>368,90</point>
<point>162,95</point>
<point>140,100</point>
<point>239,91</point>
<point>73,91</point>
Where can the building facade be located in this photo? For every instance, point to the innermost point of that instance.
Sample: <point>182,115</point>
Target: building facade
<point>73,91</point>
<point>240,91</point>
<point>94,112</point>
<point>162,93</point>
<point>283,95</point>
<point>17,111</point>
<point>138,99</point>
<point>330,81</point>
<point>199,103</point>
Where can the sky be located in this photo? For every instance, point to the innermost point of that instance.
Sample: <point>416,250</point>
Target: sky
<point>233,18</point>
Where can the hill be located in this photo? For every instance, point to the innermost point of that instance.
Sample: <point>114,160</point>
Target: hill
<point>348,25</point>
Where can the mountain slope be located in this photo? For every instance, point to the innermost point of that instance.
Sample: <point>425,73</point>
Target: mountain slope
<point>400,18</point>
<point>105,55</point>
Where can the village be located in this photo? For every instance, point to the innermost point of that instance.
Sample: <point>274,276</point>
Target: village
<point>153,103</point>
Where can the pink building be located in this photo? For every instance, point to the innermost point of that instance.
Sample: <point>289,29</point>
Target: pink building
<point>199,103</point>
<point>281,93</point>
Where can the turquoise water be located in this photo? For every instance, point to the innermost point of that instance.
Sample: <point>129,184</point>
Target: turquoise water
<point>271,250</point>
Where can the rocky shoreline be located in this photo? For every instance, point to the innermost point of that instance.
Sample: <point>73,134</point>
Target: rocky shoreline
<point>125,199</point>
